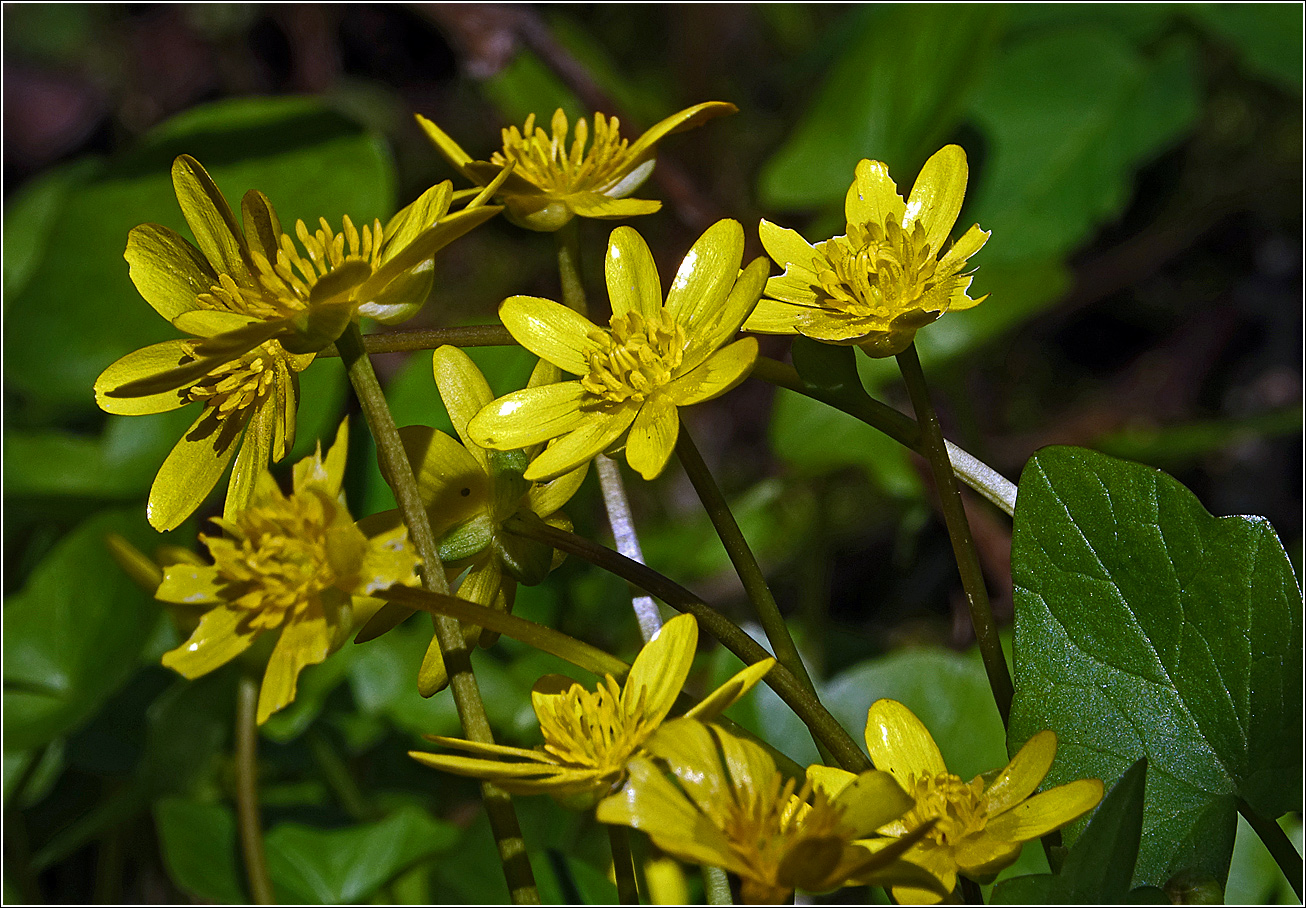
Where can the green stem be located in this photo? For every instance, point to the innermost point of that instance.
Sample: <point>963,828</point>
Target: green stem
<point>1278,844</point>
<point>963,545</point>
<point>825,728</point>
<point>985,480</point>
<point>457,659</point>
<point>716,886</point>
<point>433,338</point>
<point>247,813</point>
<point>623,865</point>
<point>338,777</point>
<point>741,556</point>
<point>567,239</point>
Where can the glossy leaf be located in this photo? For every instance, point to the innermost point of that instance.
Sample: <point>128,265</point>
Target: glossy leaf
<point>74,632</point>
<point>78,311</point>
<point>1147,627</point>
<point>198,842</point>
<point>348,865</point>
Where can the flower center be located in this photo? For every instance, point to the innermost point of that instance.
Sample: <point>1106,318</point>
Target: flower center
<point>238,384</point>
<point>877,269</point>
<point>590,728</point>
<point>763,825</point>
<point>548,163</point>
<point>286,552</point>
<point>958,806</point>
<point>636,357</point>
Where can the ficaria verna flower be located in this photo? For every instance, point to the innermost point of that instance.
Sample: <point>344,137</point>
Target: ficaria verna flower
<point>651,359</point>
<point>469,492</point>
<point>589,736</point>
<point>888,276</point>
<point>255,324</point>
<point>733,809</point>
<point>555,180</point>
<point>294,563</point>
<point>981,824</point>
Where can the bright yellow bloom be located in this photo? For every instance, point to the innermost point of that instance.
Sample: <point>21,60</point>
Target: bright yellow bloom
<point>555,181</point>
<point>885,279</point>
<point>651,359</point>
<point>733,809</point>
<point>294,562</point>
<point>590,736</point>
<point>469,492</point>
<point>982,824</point>
<point>257,311</point>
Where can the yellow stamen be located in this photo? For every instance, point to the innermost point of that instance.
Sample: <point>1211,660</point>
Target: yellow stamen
<point>545,161</point>
<point>958,806</point>
<point>636,358</point>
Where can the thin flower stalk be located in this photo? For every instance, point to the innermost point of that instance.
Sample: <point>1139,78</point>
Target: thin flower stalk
<point>248,822</point>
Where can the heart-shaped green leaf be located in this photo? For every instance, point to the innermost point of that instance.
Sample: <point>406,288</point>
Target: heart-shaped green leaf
<point>1147,627</point>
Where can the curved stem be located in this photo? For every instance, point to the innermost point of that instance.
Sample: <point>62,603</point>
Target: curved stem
<point>247,814</point>
<point>716,886</point>
<point>741,556</point>
<point>433,338</point>
<point>963,545</point>
<point>1278,844</point>
<point>623,865</point>
<point>985,480</point>
<point>807,707</point>
<point>457,658</point>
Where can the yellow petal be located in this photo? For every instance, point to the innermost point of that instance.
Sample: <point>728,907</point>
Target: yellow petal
<point>305,640</point>
<point>287,404</point>
<point>218,639</point>
<point>210,219</point>
<point>452,151</point>
<point>491,750</point>
<point>545,498</point>
<point>750,766</point>
<point>717,328</point>
<point>596,432</point>
<point>632,276</point>
<point>327,474</point>
<point>970,243</point>
<point>453,486</point>
<point>935,860</point>
<point>496,770</point>
<point>729,693</point>
<point>873,196</point>
<point>721,372</point>
<point>937,196</point>
<point>829,779</point>
<point>690,752</point>
<point>652,804</point>
<point>168,271</point>
<point>899,743</point>
<point>871,800</point>
<point>529,416</point>
<point>421,213</point>
<point>787,247</point>
<point>660,669</point>
<point>464,391</point>
<point>773,316</point>
<point>1047,811</point>
<point>190,584</point>
<point>677,122</point>
<point>653,436</point>
<point>423,248</point>
<point>550,330</point>
<point>598,205</point>
<point>138,365</point>
<point>432,676</point>
<point>983,855</point>
<point>192,469</point>
<point>706,276</point>
<point>1022,775</point>
<point>212,322</point>
<point>255,451</point>
<point>262,226</point>
<point>389,560</point>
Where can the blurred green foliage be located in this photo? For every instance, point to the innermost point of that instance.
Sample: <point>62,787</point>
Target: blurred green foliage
<point>1063,110</point>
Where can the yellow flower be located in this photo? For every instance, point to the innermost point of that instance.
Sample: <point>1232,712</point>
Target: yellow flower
<point>291,562</point>
<point>733,809</point>
<point>468,493</point>
<point>589,736</point>
<point>982,824</point>
<point>554,181</point>
<point>651,359</point>
<point>885,279</point>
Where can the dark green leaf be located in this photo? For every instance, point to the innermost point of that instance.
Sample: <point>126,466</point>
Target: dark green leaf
<point>74,632</point>
<point>894,94</point>
<point>349,865</point>
<point>1062,152</point>
<point>199,849</point>
<point>1268,35</point>
<point>1147,627</point>
<point>78,311</point>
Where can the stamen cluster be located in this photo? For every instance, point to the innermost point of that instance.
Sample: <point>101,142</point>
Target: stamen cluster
<point>548,163</point>
<point>637,357</point>
<point>877,269</point>
<point>241,383</point>
<point>958,806</point>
